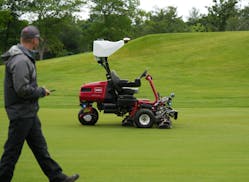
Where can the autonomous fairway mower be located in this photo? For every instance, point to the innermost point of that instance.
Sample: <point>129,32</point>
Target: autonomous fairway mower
<point>116,96</point>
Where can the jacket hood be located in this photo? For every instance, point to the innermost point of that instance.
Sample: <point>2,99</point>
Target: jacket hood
<point>16,50</point>
<point>13,51</point>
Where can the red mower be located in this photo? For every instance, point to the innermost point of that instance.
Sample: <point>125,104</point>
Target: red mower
<point>117,96</point>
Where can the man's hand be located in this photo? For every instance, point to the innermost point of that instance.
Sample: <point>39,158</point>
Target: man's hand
<point>47,91</point>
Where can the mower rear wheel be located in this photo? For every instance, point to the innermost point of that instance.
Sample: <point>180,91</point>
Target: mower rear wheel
<point>144,118</point>
<point>88,118</point>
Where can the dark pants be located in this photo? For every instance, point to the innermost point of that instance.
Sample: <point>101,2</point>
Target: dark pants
<point>28,129</point>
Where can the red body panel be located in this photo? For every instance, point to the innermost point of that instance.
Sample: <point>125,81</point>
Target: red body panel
<point>145,101</point>
<point>93,92</point>
<point>149,78</point>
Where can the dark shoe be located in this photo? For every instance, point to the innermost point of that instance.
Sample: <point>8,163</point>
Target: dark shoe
<point>71,178</point>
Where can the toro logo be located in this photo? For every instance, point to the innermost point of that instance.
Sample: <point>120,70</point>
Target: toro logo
<point>98,90</point>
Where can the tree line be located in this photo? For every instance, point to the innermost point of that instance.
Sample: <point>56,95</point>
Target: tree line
<point>64,33</point>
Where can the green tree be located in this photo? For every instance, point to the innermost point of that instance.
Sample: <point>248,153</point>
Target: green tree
<point>165,20</point>
<point>198,27</point>
<point>71,36</point>
<point>87,34</point>
<point>239,22</point>
<point>112,19</point>
<point>51,17</point>
<point>10,25</point>
<point>139,23</point>
<point>194,21</point>
<point>244,19</point>
<point>220,13</point>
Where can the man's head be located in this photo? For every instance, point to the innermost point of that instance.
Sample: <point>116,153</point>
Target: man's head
<point>30,37</point>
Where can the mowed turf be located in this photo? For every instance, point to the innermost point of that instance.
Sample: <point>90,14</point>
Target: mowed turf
<point>207,144</point>
<point>209,73</point>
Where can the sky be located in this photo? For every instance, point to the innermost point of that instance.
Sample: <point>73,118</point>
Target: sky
<point>183,6</point>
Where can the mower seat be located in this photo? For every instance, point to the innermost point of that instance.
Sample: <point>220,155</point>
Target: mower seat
<point>129,91</point>
<point>123,86</point>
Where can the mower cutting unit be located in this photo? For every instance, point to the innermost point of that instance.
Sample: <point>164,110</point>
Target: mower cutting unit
<point>117,96</point>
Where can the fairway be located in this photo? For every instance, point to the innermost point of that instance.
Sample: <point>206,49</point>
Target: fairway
<point>208,143</point>
<point>204,145</point>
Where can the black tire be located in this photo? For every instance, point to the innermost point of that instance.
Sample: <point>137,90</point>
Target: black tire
<point>88,118</point>
<point>144,118</point>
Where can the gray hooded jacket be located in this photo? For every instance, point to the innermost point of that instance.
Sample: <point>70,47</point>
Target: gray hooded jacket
<point>21,92</point>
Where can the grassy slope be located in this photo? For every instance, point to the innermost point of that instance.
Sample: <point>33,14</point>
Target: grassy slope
<point>209,74</point>
<point>206,70</point>
<point>203,69</point>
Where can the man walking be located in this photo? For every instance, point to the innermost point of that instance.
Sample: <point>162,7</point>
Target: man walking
<point>21,94</point>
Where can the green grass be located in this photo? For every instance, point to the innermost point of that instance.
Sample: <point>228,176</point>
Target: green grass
<point>206,144</point>
<point>209,74</point>
<point>203,69</point>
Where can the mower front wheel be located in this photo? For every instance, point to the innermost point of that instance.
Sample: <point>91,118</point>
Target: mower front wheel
<point>88,117</point>
<point>144,118</point>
